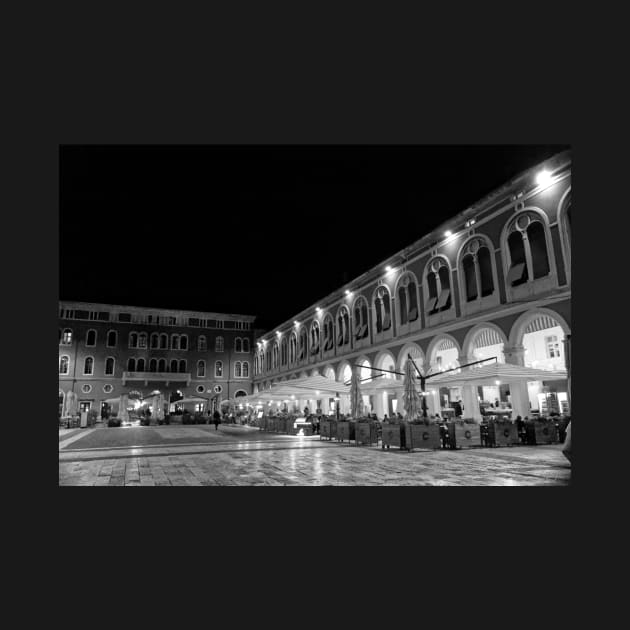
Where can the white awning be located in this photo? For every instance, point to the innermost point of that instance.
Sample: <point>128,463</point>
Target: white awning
<point>505,373</point>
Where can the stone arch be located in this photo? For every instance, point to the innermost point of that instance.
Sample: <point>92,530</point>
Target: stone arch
<point>328,371</point>
<point>385,359</point>
<point>315,372</point>
<point>435,343</point>
<point>565,231</point>
<point>468,346</point>
<point>415,350</point>
<point>517,332</point>
<point>341,368</point>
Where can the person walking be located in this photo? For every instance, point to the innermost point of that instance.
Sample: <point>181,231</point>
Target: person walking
<point>217,419</point>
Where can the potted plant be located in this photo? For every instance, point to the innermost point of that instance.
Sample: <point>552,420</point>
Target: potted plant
<point>541,430</point>
<point>502,432</point>
<point>366,431</point>
<point>393,433</point>
<point>422,433</point>
<point>464,433</point>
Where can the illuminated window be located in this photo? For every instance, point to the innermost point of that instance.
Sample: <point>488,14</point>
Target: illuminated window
<point>88,366</point>
<point>64,364</point>
<point>237,369</point>
<point>142,340</point>
<point>218,369</point>
<point>66,338</point>
<point>553,346</point>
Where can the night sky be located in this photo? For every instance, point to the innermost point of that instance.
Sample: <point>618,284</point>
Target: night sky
<point>257,230</point>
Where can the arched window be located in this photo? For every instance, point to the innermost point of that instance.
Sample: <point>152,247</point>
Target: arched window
<point>201,369</point>
<point>292,348</point>
<point>153,365</point>
<point>303,344</point>
<point>527,249</point>
<point>155,340</point>
<point>343,326</point>
<point>314,338</point>
<point>182,366</point>
<point>218,344</point>
<point>360,319</point>
<point>237,369</point>
<point>64,364</point>
<point>329,333</point>
<point>238,345</point>
<point>218,369</point>
<point>245,344</point>
<point>88,366</point>
<point>202,345</point>
<point>408,299</point>
<point>275,355</point>
<point>112,339</point>
<point>162,365</point>
<point>66,338</point>
<point>477,270</point>
<point>183,342</point>
<point>245,369</point>
<point>142,340</point>
<point>140,365</point>
<point>90,338</point>
<point>174,342</point>
<point>439,286</point>
<point>163,341</point>
<point>268,353</point>
<point>284,351</point>
<point>131,365</point>
<point>133,340</point>
<point>173,366</point>
<point>382,309</point>
<point>109,366</point>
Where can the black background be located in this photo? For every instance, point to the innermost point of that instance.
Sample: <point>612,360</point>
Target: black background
<point>259,230</point>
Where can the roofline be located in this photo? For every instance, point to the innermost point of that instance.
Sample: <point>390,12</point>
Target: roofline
<point>555,163</point>
<point>163,311</point>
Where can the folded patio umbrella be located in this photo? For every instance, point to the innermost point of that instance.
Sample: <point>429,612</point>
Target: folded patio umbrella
<point>356,401</point>
<point>411,398</point>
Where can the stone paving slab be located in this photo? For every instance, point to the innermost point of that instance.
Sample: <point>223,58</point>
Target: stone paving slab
<point>316,463</point>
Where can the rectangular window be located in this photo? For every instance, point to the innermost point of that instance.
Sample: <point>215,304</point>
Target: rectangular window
<point>553,346</point>
<point>103,316</point>
<point>82,314</point>
<point>193,321</point>
<point>124,317</point>
<point>172,321</point>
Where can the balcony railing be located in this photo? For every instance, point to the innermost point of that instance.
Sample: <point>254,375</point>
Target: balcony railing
<point>167,377</point>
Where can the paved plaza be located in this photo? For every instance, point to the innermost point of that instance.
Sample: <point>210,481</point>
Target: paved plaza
<point>199,455</point>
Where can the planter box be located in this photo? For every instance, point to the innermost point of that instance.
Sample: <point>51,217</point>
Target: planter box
<point>365,433</point>
<point>502,434</point>
<point>272,423</point>
<point>425,436</point>
<point>393,435</point>
<point>541,433</point>
<point>464,435</point>
<point>327,429</point>
<point>345,431</point>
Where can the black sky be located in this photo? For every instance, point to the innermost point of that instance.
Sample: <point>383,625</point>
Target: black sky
<point>260,230</point>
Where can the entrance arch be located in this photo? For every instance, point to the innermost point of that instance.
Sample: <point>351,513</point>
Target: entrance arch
<point>539,338</point>
<point>386,402</point>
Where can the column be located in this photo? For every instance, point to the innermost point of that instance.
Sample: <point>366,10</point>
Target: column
<point>470,398</point>
<point>515,355</point>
